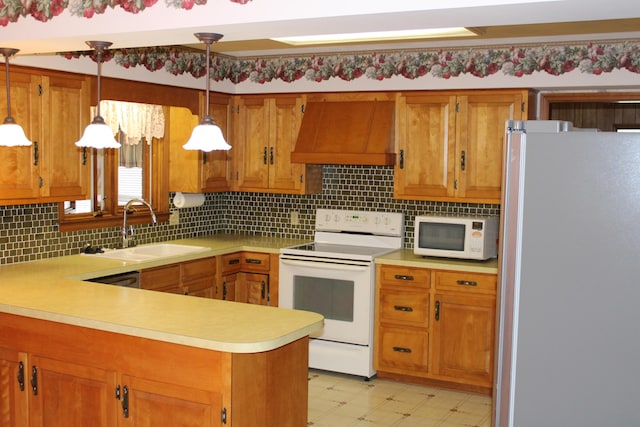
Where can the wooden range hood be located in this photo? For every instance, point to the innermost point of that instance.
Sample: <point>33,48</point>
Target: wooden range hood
<point>346,133</point>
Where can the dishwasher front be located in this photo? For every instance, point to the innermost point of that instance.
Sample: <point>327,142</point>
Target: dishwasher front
<point>130,279</point>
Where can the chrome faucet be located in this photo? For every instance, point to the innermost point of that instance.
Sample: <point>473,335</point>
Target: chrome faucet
<point>127,234</point>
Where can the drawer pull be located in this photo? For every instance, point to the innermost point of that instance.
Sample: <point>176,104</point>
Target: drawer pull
<point>403,277</point>
<point>253,261</point>
<point>234,261</point>
<point>402,349</point>
<point>467,283</point>
<point>402,308</point>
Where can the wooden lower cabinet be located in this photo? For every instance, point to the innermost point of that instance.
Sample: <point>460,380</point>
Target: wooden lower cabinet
<point>55,374</point>
<point>249,277</point>
<point>435,327</point>
<point>194,278</point>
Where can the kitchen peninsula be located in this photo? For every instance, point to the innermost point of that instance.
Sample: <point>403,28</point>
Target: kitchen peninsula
<point>80,353</point>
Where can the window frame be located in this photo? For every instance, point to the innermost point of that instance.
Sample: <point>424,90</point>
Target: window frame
<point>147,93</point>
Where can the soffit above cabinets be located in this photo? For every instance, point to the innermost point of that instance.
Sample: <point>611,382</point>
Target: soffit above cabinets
<point>347,133</point>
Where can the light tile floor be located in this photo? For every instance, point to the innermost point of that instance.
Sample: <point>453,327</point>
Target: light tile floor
<point>337,400</point>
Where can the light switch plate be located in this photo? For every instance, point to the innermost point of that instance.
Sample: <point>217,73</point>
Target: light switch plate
<point>174,217</point>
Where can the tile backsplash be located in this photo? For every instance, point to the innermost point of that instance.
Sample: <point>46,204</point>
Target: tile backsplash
<point>30,232</point>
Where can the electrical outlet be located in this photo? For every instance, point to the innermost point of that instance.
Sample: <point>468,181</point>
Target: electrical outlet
<point>294,218</point>
<point>174,217</point>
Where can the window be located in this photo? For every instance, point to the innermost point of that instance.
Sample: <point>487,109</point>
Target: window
<point>132,171</point>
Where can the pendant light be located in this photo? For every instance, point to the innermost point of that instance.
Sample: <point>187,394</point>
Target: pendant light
<point>98,134</point>
<point>11,133</point>
<point>207,136</point>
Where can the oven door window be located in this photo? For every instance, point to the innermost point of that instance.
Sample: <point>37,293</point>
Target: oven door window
<point>333,298</point>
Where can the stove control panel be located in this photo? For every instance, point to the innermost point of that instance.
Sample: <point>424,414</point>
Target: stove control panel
<point>369,222</point>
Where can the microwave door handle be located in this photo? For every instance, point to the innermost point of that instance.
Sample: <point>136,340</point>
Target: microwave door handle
<point>324,265</point>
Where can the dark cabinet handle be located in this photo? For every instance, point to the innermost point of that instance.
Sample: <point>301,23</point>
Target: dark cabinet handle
<point>224,290</point>
<point>271,155</point>
<point>264,156</point>
<point>234,261</point>
<point>21,375</point>
<point>263,290</point>
<point>463,160</point>
<point>253,261</point>
<point>84,156</point>
<point>403,277</point>
<point>125,401</point>
<point>437,310</point>
<point>34,380</point>
<point>402,350</point>
<point>467,283</point>
<point>402,308</point>
<point>401,159</point>
<point>36,153</point>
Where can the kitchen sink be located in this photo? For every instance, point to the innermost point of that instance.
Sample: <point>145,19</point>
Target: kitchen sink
<point>150,252</point>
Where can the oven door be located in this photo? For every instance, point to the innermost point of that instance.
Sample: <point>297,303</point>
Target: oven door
<point>340,290</point>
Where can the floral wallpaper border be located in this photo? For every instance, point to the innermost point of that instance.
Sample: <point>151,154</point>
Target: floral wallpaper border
<point>44,10</point>
<point>588,57</point>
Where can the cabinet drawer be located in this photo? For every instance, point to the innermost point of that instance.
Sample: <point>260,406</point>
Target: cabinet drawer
<point>160,277</point>
<point>466,282</point>
<point>403,349</point>
<point>199,268</point>
<point>405,276</point>
<point>231,262</point>
<point>404,306</point>
<point>255,261</point>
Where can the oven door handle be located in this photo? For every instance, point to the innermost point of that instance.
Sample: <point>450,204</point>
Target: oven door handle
<point>352,266</point>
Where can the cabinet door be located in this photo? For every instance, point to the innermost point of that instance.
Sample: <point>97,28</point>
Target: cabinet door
<point>65,169</point>
<point>71,394</point>
<point>19,166</point>
<point>252,144</point>
<point>480,134</point>
<point>153,403</point>
<point>252,288</point>
<point>215,165</point>
<point>463,337</point>
<point>15,390</point>
<point>425,164</point>
<point>229,287</point>
<point>204,288</point>
<point>286,116</point>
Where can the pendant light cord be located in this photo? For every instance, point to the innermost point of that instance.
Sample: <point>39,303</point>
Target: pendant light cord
<point>7,52</point>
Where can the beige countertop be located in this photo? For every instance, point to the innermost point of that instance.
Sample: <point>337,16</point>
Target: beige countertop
<point>406,257</point>
<point>52,289</point>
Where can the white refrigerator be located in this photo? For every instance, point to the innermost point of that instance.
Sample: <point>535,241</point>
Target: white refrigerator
<point>568,348</point>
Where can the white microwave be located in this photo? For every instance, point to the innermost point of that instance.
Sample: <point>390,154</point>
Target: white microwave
<point>464,237</point>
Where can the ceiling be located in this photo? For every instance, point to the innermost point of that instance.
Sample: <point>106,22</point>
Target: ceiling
<point>247,28</point>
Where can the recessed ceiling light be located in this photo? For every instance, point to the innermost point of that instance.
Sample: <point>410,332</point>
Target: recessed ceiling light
<point>378,36</point>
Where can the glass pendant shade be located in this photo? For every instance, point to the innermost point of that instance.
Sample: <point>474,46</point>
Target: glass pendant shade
<point>207,136</point>
<point>11,133</point>
<point>98,134</point>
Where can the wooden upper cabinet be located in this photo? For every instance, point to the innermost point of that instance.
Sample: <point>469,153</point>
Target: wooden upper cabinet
<point>53,110</point>
<point>426,151</point>
<point>66,111</point>
<point>480,131</point>
<point>197,171</point>
<point>449,144</point>
<point>19,166</point>
<point>265,133</point>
